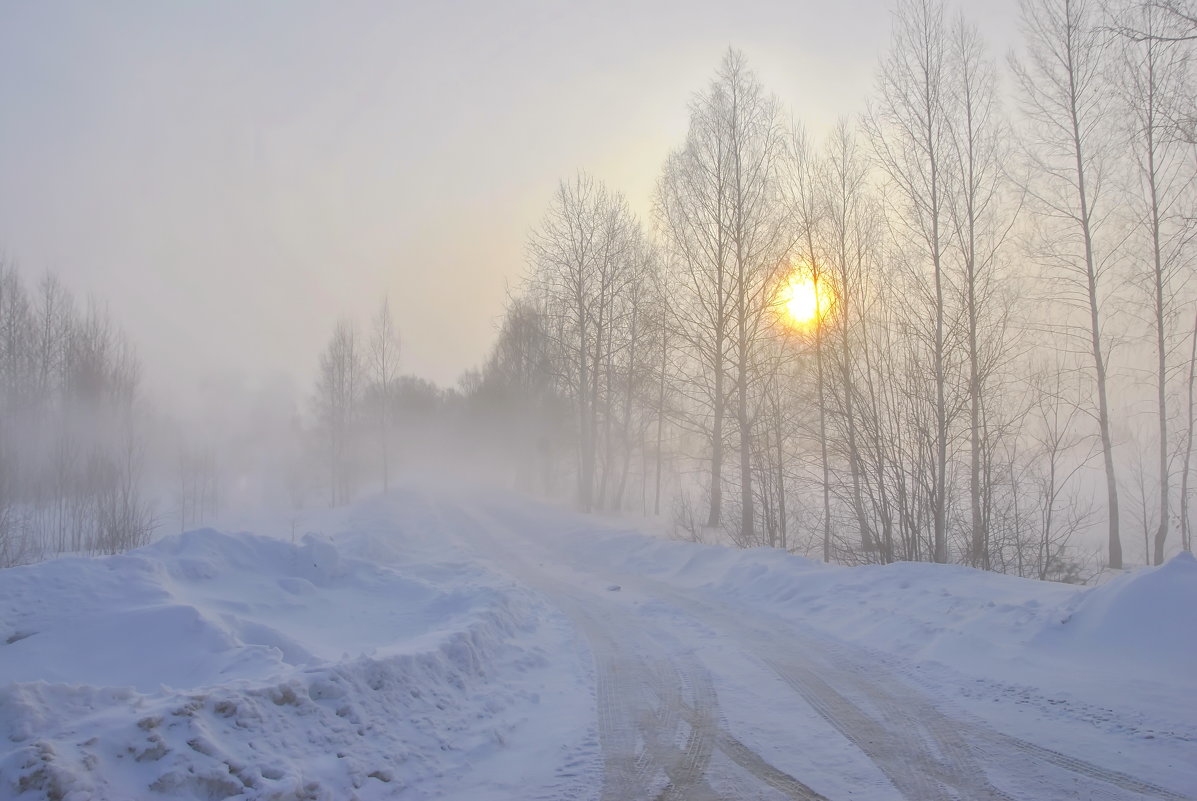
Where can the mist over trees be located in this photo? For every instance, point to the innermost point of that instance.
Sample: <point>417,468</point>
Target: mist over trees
<point>1000,261</point>
<point>71,432</point>
<point>959,327</point>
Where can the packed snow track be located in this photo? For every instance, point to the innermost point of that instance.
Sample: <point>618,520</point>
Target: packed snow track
<point>665,656</point>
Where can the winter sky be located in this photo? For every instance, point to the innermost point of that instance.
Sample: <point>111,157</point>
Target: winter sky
<point>230,178</point>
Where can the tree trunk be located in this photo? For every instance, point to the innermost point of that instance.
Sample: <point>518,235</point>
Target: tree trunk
<point>660,424</point>
<point>822,420</point>
<point>716,513</point>
<point>1185,531</point>
<point>1161,534</point>
<point>1103,409</point>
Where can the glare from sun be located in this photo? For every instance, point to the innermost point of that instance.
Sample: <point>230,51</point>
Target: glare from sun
<point>802,302</point>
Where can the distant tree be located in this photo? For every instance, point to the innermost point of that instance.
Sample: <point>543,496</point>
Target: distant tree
<point>338,392</point>
<point>198,494</point>
<point>517,388</point>
<point>16,341</point>
<point>638,328</point>
<point>580,261</point>
<point>384,366</point>
<point>54,309</point>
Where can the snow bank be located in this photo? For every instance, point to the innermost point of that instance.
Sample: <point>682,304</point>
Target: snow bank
<point>952,614</point>
<point>1145,614</point>
<point>193,608</point>
<point>210,664</point>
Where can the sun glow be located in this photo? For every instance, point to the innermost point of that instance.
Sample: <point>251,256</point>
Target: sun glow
<point>804,304</point>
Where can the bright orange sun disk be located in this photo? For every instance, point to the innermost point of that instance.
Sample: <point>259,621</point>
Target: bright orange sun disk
<point>802,304</point>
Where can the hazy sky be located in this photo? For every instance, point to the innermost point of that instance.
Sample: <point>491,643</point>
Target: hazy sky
<point>232,177</point>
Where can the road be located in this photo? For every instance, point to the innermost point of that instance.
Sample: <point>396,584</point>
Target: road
<point>697,699</point>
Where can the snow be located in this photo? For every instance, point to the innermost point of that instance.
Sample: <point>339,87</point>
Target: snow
<point>1145,618</point>
<point>439,646</point>
<point>1142,620</point>
<point>209,664</point>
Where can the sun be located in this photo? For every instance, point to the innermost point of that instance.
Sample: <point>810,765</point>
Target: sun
<point>802,303</point>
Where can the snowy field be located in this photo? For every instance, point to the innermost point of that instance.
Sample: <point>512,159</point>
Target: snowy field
<point>435,646</point>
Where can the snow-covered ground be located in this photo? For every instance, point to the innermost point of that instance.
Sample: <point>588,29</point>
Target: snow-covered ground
<point>430,645</point>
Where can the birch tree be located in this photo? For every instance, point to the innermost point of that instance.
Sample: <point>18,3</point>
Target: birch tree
<point>846,231</point>
<point>1066,97</point>
<point>384,367</point>
<point>579,259</point>
<point>338,392</point>
<point>909,127</point>
<point>980,224</point>
<point>1154,83</point>
<point>807,210</point>
<point>718,203</point>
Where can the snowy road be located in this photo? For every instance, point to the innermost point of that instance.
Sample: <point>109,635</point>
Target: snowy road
<point>697,699</point>
<point>481,647</point>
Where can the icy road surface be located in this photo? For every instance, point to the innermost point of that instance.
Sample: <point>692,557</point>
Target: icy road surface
<point>484,647</point>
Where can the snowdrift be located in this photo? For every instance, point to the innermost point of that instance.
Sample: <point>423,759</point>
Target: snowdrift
<point>952,614</point>
<point>1147,614</point>
<point>209,665</point>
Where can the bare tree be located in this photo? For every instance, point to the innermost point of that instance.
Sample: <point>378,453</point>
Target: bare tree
<point>662,367</point>
<point>384,367</point>
<point>54,310</point>
<point>1060,453</point>
<point>338,392</point>
<point>760,245</point>
<point>692,211</point>
<point>1186,467</point>
<point>579,258</point>
<point>807,212</point>
<point>848,233</point>
<point>640,324</point>
<point>909,127</point>
<point>1154,78</point>
<point>16,341</point>
<point>198,485</point>
<point>520,384</point>
<point>718,202</point>
<point>1178,18</point>
<point>1063,90</point>
<point>980,225</point>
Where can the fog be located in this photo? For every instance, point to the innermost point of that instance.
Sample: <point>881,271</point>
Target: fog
<point>234,194</point>
<point>231,180</point>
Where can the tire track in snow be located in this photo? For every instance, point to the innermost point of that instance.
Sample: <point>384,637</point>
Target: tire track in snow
<point>925,754</point>
<point>1121,780</point>
<point>894,745</point>
<point>687,767</point>
<point>646,693</point>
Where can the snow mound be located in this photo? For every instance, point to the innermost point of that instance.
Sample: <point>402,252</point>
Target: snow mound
<point>950,614</point>
<point>1147,611</point>
<point>194,607</point>
<point>210,665</point>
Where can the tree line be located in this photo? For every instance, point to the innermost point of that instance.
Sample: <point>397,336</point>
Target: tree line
<point>1002,294</point>
<point>960,327</point>
<point>71,438</point>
